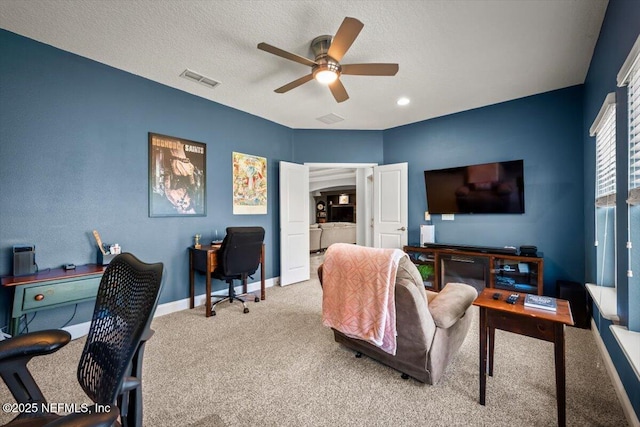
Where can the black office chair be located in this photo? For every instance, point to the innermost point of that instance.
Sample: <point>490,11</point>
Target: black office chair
<point>110,366</point>
<point>238,258</point>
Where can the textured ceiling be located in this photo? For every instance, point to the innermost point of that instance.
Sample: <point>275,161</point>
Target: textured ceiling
<point>453,55</point>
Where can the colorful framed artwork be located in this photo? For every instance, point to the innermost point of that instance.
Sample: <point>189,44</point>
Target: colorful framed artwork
<point>177,176</point>
<point>249,184</point>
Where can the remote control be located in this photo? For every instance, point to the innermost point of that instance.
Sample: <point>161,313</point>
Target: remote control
<point>511,299</point>
<point>496,295</point>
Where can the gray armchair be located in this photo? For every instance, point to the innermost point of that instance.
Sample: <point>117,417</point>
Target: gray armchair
<point>431,326</point>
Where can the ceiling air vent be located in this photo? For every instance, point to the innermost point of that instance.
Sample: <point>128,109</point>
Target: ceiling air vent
<point>330,119</point>
<point>199,78</point>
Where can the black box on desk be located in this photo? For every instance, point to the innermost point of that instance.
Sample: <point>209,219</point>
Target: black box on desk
<point>104,259</point>
<point>24,260</point>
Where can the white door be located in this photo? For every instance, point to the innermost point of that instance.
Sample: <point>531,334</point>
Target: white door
<point>294,223</point>
<point>390,205</point>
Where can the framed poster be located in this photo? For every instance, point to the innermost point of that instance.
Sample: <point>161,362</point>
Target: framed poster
<point>249,184</point>
<point>177,176</point>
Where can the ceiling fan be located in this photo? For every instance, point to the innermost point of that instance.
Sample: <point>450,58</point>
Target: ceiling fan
<point>326,67</point>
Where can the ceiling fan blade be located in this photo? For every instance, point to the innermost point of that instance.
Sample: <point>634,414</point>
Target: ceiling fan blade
<point>286,55</point>
<point>344,38</point>
<point>370,69</point>
<point>338,91</point>
<point>294,84</point>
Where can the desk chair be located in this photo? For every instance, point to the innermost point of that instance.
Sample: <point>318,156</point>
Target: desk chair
<point>238,258</point>
<point>110,366</point>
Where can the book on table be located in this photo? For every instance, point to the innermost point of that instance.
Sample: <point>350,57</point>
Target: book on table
<point>541,302</point>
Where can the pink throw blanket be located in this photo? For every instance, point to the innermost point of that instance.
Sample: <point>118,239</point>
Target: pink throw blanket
<point>358,295</point>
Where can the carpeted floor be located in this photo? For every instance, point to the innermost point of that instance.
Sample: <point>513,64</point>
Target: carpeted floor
<point>278,366</point>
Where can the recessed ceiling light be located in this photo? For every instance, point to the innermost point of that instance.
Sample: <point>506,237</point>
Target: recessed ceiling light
<point>403,101</point>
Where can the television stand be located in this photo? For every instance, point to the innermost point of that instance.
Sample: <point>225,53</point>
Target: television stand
<point>479,266</point>
<point>468,248</point>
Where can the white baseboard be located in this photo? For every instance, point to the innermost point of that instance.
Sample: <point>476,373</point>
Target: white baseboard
<point>627,408</point>
<point>79,330</point>
<point>82,329</point>
<point>183,304</point>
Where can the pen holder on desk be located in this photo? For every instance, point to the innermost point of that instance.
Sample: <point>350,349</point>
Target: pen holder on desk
<point>104,259</point>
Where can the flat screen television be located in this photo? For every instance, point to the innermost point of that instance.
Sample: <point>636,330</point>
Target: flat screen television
<point>338,213</point>
<point>476,189</point>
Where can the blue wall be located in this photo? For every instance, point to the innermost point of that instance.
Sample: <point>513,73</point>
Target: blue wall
<point>338,146</point>
<point>619,32</point>
<point>73,140</point>
<point>74,158</point>
<point>545,131</point>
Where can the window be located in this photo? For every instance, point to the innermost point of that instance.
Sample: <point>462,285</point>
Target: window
<point>629,76</point>
<point>633,200</point>
<point>604,129</point>
<point>628,337</point>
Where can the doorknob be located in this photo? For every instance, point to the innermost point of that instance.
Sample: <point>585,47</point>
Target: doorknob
<point>402,229</point>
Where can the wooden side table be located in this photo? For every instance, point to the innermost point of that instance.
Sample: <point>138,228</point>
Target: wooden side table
<point>204,260</point>
<point>542,324</point>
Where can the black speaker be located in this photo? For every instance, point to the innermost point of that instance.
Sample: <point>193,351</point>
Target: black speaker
<point>528,250</point>
<point>580,305</point>
<point>24,260</point>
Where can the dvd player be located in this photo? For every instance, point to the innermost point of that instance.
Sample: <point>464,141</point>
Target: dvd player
<point>468,248</point>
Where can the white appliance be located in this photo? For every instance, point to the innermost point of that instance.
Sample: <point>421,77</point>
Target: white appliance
<point>427,234</point>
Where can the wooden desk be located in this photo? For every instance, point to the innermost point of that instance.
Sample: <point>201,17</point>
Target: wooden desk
<point>516,318</point>
<point>204,260</point>
<point>50,289</point>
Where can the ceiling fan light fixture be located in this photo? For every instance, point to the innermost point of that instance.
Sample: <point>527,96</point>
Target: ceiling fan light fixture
<point>326,76</point>
<point>325,67</point>
<point>326,73</point>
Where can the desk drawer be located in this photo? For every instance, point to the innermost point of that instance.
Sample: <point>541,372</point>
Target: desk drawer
<point>38,297</point>
<point>530,326</point>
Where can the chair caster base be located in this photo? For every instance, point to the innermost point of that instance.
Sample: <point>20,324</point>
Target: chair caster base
<point>246,310</point>
<point>256,299</point>
<point>358,355</point>
<point>213,312</point>
<point>404,376</point>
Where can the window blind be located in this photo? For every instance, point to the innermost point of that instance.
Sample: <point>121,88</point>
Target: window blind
<point>629,75</point>
<point>634,134</point>
<point>604,129</point>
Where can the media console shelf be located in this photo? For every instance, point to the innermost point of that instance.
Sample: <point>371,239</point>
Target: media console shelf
<point>481,267</point>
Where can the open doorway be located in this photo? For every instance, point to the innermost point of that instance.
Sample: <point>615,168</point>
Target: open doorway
<point>379,189</point>
<point>339,205</point>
